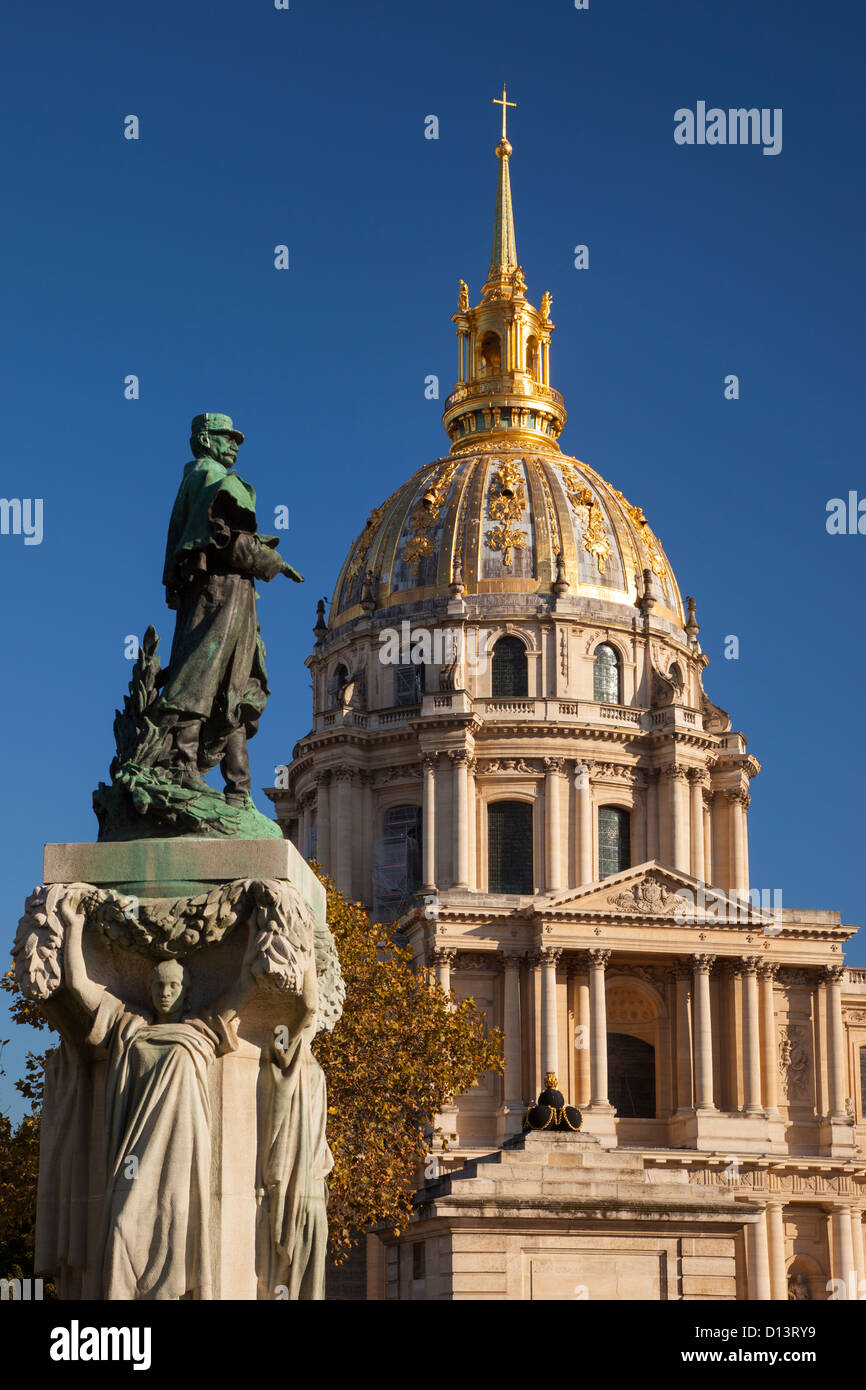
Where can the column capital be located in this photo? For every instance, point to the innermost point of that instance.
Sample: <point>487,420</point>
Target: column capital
<point>323,778</point>
<point>599,956</point>
<point>441,955</point>
<point>768,969</point>
<point>583,767</point>
<point>344,773</point>
<point>702,963</point>
<point>576,963</point>
<point>429,761</point>
<point>675,771</point>
<point>833,974</point>
<point>746,965</point>
<point>553,765</point>
<point>681,970</point>
<point>459,755</point>
<point>737,795</point>
<point>708,795</point>
<point>698,776</point>
<point>511,960</point>
<point>550,955</point>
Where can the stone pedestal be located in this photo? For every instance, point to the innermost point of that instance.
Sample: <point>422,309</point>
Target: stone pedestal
<point>246,921</point>
<point>558,1216</point>
<point>714,1131</point>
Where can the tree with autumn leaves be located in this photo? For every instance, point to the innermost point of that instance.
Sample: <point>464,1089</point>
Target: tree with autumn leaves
<point>401,1051</point>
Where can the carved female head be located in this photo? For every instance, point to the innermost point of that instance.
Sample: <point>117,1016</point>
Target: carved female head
<point>169,988</point>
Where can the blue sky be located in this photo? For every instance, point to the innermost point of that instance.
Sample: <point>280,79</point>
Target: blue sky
<point>305,127</point>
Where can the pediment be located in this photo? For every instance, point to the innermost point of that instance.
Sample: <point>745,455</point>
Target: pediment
<point>654,891</point>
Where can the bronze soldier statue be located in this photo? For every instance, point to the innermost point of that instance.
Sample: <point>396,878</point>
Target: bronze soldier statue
<point>215,687</point>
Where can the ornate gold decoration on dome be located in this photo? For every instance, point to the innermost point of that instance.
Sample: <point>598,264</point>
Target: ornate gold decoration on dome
<point>506,538</point>
<point>645,535</point>
<point>463,297</point>
<point>425,516</point>
<point>365,540</point>
<point>595,539</point>
<point>546,302</point>
<point>518,283</point>
<point>506,504</point>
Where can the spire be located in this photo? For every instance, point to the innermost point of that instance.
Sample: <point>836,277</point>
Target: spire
<point>503,343</point>
<point>503,256</point>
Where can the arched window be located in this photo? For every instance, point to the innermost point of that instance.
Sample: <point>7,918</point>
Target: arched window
<point>605,675</point>
<point>509,847</point>
<point>509,668</point>
<point>631,1064</point>
<point>532,357</point>
<point>335,682</point>
<point>397,862</point>
<point>614,840</point>
<point>408,684</point>
<point>675,676</point>
<point>491,355</point>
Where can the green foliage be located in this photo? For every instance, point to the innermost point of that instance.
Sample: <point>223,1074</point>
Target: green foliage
<point>19,1154</point>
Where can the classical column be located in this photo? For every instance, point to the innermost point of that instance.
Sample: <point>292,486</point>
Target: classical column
<point>577,969</point>
<point>442,959</point>
<point>653,850</point>
<point>709,869</point>
<point>776,1243</point>
<point>428,818</point>
<point>323,820</point>
<point>833,976</point>
<point>739,878</point>
<point>472,820</point>
<point>304,832</point>
<point>748,968</point>
<point>703,1046</point>
<point>549,1021</point>
<point>583,851</point>
<point>342,851</point>
<point>768,971</point>
<point>640,855</point>
<point>680,818</point>
<point>758,1259</point>
<point>842,1248</point>
<point>683,977</point>
<point>697,780</point>
<point>857,1243</point>
<point>598,960</point>
<point>459,758</point>
<point>552,827</point>
<point>513,1088</point>
<point>368,830</point>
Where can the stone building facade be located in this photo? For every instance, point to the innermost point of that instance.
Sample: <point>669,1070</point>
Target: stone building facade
<point>513,754</point>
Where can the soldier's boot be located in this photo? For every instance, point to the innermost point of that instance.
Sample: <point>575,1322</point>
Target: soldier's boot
<point>185,741</point>
<point>235,768</point>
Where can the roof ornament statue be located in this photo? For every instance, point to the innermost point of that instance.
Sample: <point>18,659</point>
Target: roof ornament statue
<point>551,1112</point>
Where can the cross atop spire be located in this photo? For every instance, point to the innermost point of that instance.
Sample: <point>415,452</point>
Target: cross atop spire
<point>503,103</point>
<point>503,256</point>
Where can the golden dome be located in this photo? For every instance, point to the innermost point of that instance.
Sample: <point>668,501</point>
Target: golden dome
<point>493,516</point>
<point>494,520</point>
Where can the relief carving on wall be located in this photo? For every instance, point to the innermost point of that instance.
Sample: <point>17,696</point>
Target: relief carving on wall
<point>794,1062</point>
<point>650,897</point>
